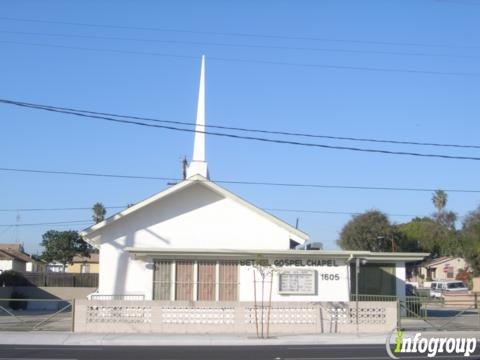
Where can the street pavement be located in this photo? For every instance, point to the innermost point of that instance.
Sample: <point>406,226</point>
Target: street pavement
<point>276,352</point>
<point>66,345</point>
<point>99,339</point>
<point>54,338</point>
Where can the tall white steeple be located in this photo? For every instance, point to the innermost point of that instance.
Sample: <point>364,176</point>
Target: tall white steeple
<point>198,165</point>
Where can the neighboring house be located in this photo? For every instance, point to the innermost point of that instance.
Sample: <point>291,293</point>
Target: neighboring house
<point>442,268</point>
<point>19,259</point>
<point>10,262</point>
<point>55,267</point>
<point>13,259</point>
<point>36,265</point>
<point>84,264</point>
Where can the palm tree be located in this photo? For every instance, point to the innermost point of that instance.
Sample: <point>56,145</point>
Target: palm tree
<point>439,199</point>
<point>99,212</point>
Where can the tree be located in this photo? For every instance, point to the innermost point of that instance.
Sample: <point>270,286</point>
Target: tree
<point>369,231</point>
<point>442,216</point>
<point>62,246</point>
<point>426,234</point>
<point>99,212</point>
<point>446,219</point>
<point>470,239</point>
<point>472,220</point>
<point>439,199</point>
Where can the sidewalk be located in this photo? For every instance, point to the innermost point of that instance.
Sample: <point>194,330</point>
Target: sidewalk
<point>81,339</point>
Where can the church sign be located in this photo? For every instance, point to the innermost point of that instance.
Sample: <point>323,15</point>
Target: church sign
<point>290,262</point>
<point>299,282</point>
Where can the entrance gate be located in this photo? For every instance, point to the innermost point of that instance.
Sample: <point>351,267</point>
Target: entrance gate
<point>453,313</point>
<point>36,314</point>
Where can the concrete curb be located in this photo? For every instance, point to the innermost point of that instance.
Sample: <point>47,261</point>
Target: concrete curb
<point>91,339</point>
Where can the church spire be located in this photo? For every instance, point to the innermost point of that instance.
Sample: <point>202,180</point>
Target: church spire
<point>198,164</point>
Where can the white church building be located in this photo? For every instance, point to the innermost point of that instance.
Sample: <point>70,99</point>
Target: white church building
<point>197,241</point>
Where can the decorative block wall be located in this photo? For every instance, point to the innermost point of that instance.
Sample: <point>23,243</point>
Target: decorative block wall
<point>232,317</point>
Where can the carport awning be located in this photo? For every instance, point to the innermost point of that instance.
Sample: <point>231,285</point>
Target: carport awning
<point>237,254</point>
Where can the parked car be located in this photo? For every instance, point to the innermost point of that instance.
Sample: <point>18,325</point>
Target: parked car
<point>439,288</point>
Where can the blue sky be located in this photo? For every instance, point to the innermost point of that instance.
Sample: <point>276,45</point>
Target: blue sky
<point>432,36</point>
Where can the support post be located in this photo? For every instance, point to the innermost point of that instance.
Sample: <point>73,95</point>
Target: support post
<point>357,272</point>
<point>261,314</point>
<point>255,300</point>
<point>73,314</point>
<point>398,314</point>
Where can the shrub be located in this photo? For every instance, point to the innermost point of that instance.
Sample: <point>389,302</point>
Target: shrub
<point>12,278</point>
<point>466,277</point>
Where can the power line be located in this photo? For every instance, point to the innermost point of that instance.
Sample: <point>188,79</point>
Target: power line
<point>252,138</point>
<point>238,182</point>
<point>56,209</point>
<point>47,223</point>
<point>328,212</point>
<point>264,62</point>
<point>325,212</point>
<point>464,2</point>
<point>263,131</point>
<point>239,34</point>
<point>251,46</point>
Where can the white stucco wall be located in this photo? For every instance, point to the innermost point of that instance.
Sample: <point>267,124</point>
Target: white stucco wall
<point>12,265</point>
<point>195,217</point>
<point>6,265</point>
<point>326,290</point>
<point>400,275</point>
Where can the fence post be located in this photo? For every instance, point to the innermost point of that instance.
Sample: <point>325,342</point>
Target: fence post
<point>398,314</point>
<point>73,314</point>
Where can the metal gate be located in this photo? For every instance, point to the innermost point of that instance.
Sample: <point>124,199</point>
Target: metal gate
<point>447,313</point>
<point>36,314</point>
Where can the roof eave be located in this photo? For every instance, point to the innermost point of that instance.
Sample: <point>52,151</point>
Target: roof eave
<point>234,253</point>
<point>87,233</point>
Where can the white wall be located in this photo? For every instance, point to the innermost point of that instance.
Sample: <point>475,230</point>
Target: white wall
<point>14,265</point>
<point>326,290</point>
<point>195,217</point>
<point>400,275</point>
<point>6,265</point>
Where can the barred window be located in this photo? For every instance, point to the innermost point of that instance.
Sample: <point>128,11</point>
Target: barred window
<point>184,280</point>
<point>213,281</point>
<point>206,280</point>
<point>450,272</point>
<point>228,281</point>
<point>162,280</point>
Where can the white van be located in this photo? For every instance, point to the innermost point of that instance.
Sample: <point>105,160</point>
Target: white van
<point>438,288</point>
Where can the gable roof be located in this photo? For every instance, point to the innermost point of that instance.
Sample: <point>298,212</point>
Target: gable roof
<point>440,260</point>
<point>196,179</point>
<point>13,254</point>
<point>5,256</point>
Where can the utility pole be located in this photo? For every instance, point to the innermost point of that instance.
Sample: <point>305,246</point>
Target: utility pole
<point>17,223</point>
